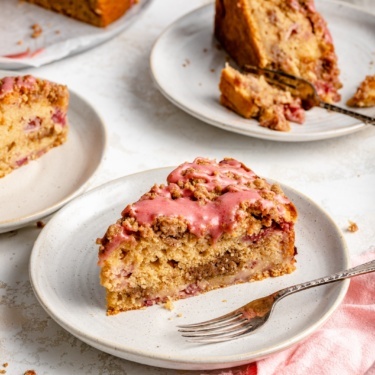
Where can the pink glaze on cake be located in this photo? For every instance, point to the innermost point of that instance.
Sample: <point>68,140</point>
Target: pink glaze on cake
<point>213,218</point>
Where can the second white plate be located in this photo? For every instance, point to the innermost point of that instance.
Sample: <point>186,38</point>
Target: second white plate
<point>186,64</point>
<point>65,278</point>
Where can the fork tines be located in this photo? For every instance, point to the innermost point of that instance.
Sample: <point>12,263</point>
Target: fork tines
<point>220,329</point>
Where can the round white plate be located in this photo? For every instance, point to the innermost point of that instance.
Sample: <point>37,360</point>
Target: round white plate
<point>39,188</point>
<point>186,63</point>
<point>65,278</point>
<point>61,36</point>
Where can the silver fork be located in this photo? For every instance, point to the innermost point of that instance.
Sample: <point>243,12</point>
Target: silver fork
<point>248,318</point>
<point>303,89</point>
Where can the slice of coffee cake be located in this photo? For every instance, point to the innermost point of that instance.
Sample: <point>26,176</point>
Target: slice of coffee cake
<point>33,119</point>
<point>212,225</point>
<point>286,35</point>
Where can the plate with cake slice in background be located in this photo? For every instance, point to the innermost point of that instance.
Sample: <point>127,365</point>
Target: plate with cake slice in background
<point>50,147</point>
<point>195,62</point>
<point>138,263</point>
<point>33,35</point>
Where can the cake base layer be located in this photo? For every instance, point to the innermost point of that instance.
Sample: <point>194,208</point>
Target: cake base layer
<point>196,268</point>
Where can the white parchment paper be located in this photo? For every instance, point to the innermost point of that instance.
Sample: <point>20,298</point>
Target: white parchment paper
<point>61,36</point>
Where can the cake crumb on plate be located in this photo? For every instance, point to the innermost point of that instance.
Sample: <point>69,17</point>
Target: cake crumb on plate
<point>353,227</point>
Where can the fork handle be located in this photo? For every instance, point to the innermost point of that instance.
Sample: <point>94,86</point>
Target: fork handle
<point>358,116</point>
<point>359,270</point>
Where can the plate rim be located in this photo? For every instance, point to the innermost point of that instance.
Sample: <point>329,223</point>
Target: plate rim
<point>19,222</point>
<point>272,135</point>
<point>163,360</point>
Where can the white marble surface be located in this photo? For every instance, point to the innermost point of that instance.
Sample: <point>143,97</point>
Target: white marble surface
<point>145,131</point>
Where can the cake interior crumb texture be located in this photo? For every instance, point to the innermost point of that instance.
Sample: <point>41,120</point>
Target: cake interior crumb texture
<point>287,35</point>
<point>99,13</point>
<point>252,97</point>
<point>33,119</point>
<point>212,225</point>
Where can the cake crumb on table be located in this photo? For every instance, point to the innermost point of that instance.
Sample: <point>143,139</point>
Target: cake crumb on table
<point>353,227</point>
<point>37,30</point>
<point>2,371</point>
<point>30,372</point>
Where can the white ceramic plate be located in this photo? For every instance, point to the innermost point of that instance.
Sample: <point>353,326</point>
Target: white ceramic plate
<point>65,278</point>
<point>39,188</point>
<point>61,36</point>
<point>186,64</point>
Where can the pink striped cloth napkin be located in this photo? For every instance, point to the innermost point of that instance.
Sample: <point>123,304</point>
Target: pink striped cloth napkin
<point>344,345</point>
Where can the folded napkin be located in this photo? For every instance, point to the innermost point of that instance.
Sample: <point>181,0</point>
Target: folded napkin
<point>344,345</point>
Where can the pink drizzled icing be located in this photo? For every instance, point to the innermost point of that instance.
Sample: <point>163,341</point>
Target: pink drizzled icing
<point>121,236</point>
<point>8,84</point>
<point>203,217</point>
<point>214,217</point>
<point>213,174</point>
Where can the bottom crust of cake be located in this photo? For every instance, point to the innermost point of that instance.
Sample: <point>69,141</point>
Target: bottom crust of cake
<point>171,277</point>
